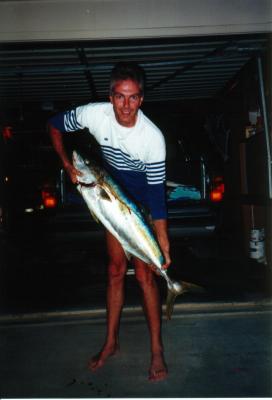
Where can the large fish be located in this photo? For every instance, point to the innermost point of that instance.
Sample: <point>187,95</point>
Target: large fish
<point>109,205</point>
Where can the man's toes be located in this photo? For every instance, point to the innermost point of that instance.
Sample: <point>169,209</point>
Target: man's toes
<point>95,363</point>
<point>156,376</point>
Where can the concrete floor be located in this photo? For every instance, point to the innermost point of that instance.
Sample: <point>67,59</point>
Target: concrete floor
<point>52,319</point>
<point>210,352</point>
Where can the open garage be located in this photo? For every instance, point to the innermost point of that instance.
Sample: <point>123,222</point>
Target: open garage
<point>208,89</point>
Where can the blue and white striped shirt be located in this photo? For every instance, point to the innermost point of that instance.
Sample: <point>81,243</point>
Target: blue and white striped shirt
<point>134,156</point>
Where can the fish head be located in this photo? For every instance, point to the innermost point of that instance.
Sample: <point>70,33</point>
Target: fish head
<point>89,174</point>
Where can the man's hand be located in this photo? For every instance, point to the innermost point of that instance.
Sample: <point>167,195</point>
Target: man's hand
<point>167,259</point>
<point>57,141</point>
<point>72,172</point>
<point>162,236</point>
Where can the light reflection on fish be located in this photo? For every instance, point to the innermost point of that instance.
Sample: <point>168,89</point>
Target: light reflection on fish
<point>109,205</point>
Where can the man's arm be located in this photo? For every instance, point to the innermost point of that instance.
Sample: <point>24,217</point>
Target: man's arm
<point>57,141</point>
<point>162,236</point>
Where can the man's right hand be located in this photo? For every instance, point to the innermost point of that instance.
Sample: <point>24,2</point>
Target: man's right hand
<point>72,172</point>
<point>57,141</point>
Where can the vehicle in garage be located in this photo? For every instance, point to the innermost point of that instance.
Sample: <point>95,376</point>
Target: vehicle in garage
<point>194,187</point>
<point>29,188</point>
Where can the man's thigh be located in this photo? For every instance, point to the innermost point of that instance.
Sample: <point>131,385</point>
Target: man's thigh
<point>115,251</point>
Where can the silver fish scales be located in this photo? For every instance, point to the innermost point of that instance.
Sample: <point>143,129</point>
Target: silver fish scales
<point>111,206</point>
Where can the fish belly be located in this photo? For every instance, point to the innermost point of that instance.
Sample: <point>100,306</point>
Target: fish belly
<point>125,225</point>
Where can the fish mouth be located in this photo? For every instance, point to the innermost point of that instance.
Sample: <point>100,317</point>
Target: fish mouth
<point>88,185</point>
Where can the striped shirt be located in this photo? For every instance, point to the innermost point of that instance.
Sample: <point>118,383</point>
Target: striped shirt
<point>134,156</point>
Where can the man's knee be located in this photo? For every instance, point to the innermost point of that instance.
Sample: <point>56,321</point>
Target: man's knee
<point>117,270</point>
<point>144,276</point>
<point>117,266</point>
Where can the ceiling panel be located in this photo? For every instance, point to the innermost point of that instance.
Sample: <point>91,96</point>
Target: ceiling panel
<point>75,73</point>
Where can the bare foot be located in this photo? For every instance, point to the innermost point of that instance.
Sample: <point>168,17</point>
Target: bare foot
<point>99,359</point>
<point>158,369</point>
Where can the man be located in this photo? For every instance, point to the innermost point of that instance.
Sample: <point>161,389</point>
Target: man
<point>133,150</point>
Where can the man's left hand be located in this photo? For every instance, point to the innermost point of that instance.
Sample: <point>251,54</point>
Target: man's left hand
<point>162,236</point>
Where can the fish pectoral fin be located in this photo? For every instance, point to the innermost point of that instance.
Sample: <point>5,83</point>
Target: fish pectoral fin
<point>104,195</point>
<point>108,194</point>
<point>107,191</point>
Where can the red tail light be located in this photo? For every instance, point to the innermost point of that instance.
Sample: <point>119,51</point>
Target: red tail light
<point>216,196</point>
<point>7,132</point>
<point>218,189</point>
<point>49,200</point>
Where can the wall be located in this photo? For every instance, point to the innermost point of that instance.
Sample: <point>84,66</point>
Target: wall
<point>28,20</point>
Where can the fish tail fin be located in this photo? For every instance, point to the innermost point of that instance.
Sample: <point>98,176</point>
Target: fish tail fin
<point>170,301</point>
<point>191,287</point>
<point>174,290</point>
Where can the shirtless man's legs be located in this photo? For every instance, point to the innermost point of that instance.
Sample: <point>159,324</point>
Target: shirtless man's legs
<point>115,299</point>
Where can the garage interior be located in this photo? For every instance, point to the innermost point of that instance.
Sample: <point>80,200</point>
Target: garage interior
<point>188,81</point>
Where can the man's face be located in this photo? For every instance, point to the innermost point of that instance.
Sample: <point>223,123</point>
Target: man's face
<point>126,100</point>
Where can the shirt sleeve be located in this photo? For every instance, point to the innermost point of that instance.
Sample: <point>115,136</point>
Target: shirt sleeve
<point>78,118</point>
<point>157,201</point>
<point>66,121</point>
<point>155,174</point>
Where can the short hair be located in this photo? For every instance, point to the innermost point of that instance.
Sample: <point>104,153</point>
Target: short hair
<point>127,70</point>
